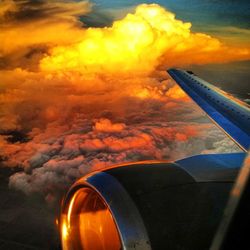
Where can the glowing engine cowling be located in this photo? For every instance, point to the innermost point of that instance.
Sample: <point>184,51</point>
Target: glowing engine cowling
<point>146,206</point>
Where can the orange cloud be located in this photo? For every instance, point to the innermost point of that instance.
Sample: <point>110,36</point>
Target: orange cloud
<point>84,98</point>
<point>29,29</point>
<point>105,125</point>
<point>138,44</point>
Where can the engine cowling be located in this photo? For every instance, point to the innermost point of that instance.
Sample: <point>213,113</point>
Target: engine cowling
<point>144,206</point>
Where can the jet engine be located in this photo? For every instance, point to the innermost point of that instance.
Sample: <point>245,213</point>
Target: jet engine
<point>160,205</point>
<point>149,205</point>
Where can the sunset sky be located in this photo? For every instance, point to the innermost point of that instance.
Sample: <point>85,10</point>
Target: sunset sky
<point>84,84</point>
<point>225,19</point>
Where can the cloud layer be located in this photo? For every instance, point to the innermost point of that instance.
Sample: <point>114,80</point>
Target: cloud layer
<point>74,99</point>
<point>68,131</point>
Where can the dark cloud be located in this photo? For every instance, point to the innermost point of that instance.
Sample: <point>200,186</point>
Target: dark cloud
<point>97,18</point>
<point>28,29</point>
<point>18,12</point>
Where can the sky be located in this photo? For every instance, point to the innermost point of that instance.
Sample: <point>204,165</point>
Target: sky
<point>84,84</point>
<point>228,19</point>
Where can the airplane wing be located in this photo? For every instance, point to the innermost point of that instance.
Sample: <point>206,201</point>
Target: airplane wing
<point>159,204</point>
<point>231,115</point>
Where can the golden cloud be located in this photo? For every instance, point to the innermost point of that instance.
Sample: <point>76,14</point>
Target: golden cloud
<point>138,44</point>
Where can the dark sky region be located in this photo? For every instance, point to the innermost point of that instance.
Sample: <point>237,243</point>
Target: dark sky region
<point>207,15</point>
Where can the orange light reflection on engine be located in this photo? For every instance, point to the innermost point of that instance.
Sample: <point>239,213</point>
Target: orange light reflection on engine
<point>88,223</point>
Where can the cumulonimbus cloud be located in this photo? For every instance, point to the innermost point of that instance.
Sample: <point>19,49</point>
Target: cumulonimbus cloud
<point>149,38</point>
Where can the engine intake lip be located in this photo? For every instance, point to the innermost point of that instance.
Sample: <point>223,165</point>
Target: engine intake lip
<point>129,223</point>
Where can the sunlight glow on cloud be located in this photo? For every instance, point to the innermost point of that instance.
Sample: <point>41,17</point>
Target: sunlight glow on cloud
<point>139,43</point>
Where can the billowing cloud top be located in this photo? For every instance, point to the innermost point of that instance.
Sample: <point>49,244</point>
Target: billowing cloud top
<point>51,35</point>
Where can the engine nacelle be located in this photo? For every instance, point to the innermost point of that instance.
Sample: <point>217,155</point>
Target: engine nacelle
<point>146,205</point>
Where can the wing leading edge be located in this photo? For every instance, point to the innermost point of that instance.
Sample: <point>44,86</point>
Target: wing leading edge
<point>232,116</point>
